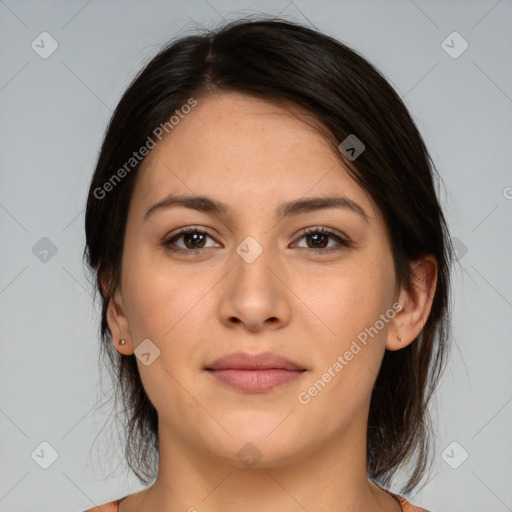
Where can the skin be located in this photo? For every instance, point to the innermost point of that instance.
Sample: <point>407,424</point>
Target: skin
<point>254,156</point>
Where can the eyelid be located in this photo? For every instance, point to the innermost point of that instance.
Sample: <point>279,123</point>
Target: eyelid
<point>188,229</point>
<point>324,230</point>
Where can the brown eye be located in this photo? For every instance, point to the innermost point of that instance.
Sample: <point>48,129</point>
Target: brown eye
<point>193,239</point>
<point>318,240</point>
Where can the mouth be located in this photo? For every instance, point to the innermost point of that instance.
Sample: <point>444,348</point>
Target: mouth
<point>254,373</point>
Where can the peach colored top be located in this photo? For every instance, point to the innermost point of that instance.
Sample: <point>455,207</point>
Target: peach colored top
<point>406,506</point>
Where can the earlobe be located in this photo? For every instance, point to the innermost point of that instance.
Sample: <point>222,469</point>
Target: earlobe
<point>119,326</point>
<point>416,304</point>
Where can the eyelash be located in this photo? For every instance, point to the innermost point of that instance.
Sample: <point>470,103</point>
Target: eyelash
<point>167,243</point>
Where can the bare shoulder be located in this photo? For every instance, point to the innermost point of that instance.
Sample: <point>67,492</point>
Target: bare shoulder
<point>409,507</point>
<point>112,506</point>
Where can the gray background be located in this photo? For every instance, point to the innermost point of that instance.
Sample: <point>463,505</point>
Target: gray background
<point>54,113</point>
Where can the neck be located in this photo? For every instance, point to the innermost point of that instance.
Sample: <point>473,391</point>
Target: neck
<point>331,476</point>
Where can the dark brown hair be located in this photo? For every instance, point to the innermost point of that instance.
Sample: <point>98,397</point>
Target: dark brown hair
<point>291,65</point>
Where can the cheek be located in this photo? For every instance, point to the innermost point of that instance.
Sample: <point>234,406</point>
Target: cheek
<point>348,306</point>
<point>168,308</point>
<point>161,296</point>
<point>346,300</point>
<point>350,350</point>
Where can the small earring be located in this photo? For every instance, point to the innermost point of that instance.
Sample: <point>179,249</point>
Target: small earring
<point>122,342</point>
<point>399,338</point>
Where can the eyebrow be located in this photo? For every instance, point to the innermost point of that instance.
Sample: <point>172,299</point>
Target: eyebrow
<point>209,205</point>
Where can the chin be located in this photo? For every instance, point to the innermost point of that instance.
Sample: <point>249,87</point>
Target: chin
<point>258,445</point>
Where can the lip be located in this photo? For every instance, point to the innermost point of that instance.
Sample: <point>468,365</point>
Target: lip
<point>246,361</point>
<point>254,373</point>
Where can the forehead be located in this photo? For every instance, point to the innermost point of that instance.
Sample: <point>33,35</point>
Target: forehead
<point>245,150</point>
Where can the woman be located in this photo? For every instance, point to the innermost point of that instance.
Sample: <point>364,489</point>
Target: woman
<point>273,265</point>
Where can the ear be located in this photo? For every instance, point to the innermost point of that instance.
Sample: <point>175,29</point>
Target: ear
<point>118,323</point>
<point>416,304</point>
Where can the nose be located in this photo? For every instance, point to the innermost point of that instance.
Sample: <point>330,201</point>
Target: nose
<point>255,295</point>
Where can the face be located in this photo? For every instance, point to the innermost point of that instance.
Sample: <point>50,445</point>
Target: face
<point>253,279</point>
